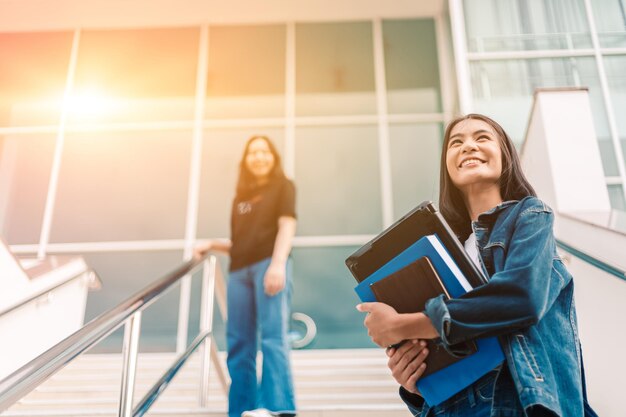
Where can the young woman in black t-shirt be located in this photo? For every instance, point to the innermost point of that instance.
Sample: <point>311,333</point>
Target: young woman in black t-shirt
<point>263,223</point>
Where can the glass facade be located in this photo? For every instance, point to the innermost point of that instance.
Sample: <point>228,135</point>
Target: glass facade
<point>516,46</point>
<point>337,173</point>
<point>33,73</point>
<point>25,165</point>
<point>412,69</point>
<point>522,25</point>
<point>610,19</point>
<point>107,189</point>
<point>132,119</point>
<point>135,75</point>
<point>335,69</point>
<point>246,72</point>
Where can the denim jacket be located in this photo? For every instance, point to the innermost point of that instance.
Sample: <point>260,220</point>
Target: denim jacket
<point>528,303</point>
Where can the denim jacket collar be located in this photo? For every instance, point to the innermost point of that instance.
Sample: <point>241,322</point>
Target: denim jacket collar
<point>489,215</point>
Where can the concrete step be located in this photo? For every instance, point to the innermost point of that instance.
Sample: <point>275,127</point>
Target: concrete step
<point>367,411</point>
<point>328,383</point>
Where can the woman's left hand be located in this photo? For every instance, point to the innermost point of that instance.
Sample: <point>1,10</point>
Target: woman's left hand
<point>381,323</point>
<point>274,280</point>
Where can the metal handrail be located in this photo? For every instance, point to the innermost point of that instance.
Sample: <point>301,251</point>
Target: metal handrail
<point>153,393</point>
<point>592,260</point>
<point>34,373</point>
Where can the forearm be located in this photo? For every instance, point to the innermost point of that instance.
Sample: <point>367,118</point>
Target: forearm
<point>284,240</point>
<point>217,245</point>
<point>415,326</point>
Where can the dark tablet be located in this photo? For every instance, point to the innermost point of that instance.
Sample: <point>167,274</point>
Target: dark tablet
<point>421,221</point>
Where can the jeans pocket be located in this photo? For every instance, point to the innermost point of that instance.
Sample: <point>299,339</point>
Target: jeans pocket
<point>484,391</point>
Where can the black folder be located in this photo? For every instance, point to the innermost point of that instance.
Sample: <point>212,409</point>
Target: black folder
<point>407,291</point>
<point>421,221</point>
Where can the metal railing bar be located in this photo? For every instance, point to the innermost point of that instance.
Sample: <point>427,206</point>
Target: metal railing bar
<point>221,375</point>
<point>206,324</point>
<point>151,396</point>
<point>35,372</point>
<point>606,267</point>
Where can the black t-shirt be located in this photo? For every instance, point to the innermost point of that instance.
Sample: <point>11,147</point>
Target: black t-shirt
<point>254,221</point>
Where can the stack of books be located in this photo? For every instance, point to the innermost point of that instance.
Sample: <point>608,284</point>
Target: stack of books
<point>414,260</point>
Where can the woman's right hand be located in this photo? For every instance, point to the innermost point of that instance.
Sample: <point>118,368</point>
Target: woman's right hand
<point>202,248</point>
<point>406,363</point>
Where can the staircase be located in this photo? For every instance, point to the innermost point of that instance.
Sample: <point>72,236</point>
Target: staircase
<point>329,383</point>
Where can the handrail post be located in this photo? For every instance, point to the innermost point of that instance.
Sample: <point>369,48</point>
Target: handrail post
<point>129,370</point>
<point>206,324</point>
<point>183,314</point>
<point>220,293</point>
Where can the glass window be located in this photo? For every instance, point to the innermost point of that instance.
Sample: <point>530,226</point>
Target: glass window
<point>221,152</point>
<point>25,166</point>
<point>125,273</point>
<point>616,195</point>
<point>504,91</point>
<point>513,25</point>
<point>610,17</point>
<point>321,279</point>
<point>334,69</point>
<point>33,73</point>
<point>135,75</point>
<point>338,180</point>
<point>246,71</point>
<point>415,155</point>
<point>616,75</point>
<point>122,186</point>
<point>411,66</point>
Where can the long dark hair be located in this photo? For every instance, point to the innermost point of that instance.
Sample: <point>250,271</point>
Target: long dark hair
<point>513,184</point>
<point>247,182</point>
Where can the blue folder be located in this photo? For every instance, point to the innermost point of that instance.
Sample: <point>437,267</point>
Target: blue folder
<point>441,385</point>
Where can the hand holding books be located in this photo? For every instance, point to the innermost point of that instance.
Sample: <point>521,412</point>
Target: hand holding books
<point>412,261</point>
<point>386,327</point>
<point>407,363</point>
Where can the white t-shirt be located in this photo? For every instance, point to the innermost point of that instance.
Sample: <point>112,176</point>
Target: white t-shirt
<point>472,250</point>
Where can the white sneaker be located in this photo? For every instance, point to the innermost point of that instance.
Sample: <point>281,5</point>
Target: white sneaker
<point>259,412</point>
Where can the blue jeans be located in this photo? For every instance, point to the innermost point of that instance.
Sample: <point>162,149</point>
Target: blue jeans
<point>251,313</point>
<point>477,400</point>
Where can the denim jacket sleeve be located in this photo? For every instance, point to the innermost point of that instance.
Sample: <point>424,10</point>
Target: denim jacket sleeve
<point>516,296</point>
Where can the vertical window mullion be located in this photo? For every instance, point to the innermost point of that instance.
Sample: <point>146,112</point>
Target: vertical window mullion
<point>606,95</point>
<point>290,100</point>
<point>58,152</point>
<point>383,124</point>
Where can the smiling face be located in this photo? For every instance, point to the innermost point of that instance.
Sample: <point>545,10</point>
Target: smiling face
<point>260,159</point>
<point>474,156</point>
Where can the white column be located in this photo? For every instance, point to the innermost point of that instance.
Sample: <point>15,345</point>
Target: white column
<point>464,81</point>
<point>383,124</point>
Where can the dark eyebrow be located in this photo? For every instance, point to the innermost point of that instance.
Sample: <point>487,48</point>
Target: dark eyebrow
<point>474,134</point>
<point>482,131</point>
<point>453,136</point>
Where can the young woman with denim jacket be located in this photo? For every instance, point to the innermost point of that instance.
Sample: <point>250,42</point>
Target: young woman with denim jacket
<point>528,302</point>
<point>263,224</point>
